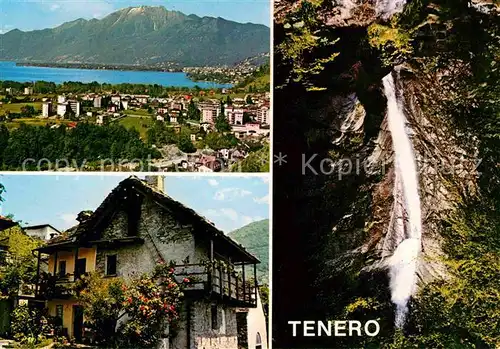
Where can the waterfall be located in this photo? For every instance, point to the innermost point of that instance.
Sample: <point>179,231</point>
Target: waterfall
<point>406,221</point>
<point>386,8</point>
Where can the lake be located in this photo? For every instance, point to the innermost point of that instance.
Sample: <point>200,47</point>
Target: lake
<point>9,71</point>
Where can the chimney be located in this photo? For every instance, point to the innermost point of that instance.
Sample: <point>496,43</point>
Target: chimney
<point>157,182</point>
<point>84,216</point>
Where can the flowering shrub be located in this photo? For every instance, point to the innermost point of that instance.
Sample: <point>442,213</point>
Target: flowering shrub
<point>102,302</point>
<point>149,304</point>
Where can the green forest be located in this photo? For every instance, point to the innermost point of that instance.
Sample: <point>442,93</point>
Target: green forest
<point>24,147</point>
<point>447,55</point>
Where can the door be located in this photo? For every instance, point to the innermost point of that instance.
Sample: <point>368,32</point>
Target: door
<point>80,267</point>
<point>78,322</point>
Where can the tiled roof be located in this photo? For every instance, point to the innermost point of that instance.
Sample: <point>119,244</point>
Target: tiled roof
<point>79,231</point>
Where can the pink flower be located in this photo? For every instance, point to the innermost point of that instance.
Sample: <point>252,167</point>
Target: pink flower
<point>186,280</point>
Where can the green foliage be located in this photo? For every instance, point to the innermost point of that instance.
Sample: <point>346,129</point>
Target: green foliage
<point>20,270</point>
<point>221,124</point>
<point>185,145</point>
<point>393,43</point>
<point>102,301</point>
<point>2,190</point>
<point>127,38</point>
<point>258,81</point>
<point>308,46</point>
<point>150,302</point>
<point>28,111</point>
<point>193,113</point>
<point>257,161</point>
<point>28,326</point>
<point>255,238</point>
<point>217,141</point>
<point>83,144</point>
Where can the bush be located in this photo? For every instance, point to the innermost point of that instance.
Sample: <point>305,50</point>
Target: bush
<point>28,325</point>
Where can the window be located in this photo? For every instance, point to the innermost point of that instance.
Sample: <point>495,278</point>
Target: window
<point>59,318</point>
<point>111,265</point>
<point>258,341</point>
<point>215,322</point>
<point>80,267</point>
<point>62,268</point>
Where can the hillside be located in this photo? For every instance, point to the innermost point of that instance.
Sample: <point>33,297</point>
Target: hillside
<point>140,35</point>
<point>255,238</point>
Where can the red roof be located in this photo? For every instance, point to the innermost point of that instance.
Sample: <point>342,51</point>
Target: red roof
<point>72,124</point>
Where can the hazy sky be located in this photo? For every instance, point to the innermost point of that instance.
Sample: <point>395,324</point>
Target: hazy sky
<point>229,202</point>
<point>40,14</point>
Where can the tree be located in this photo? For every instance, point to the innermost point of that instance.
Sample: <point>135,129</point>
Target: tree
<point>221,123</point>
<point>247,117</point>
<point>185,145</point>
<point>28,111</point>
<point>150,303</point>
<point>249,100</point>
<point>102,300</point>
<point>20,270</point>
<point>193,113</point>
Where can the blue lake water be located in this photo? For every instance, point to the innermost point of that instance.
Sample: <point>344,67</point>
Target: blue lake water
<point>9,71</point>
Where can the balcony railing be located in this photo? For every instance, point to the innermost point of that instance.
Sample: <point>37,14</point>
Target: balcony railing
<point>58,286</point>
<point>218,282</point>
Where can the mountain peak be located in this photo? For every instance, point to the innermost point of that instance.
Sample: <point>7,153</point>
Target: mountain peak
<point>135,10</point>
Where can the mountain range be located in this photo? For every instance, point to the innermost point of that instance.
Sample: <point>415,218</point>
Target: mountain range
<point>255,238</point>
<point>140,35</point>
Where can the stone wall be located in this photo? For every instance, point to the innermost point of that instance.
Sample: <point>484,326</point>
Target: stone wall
<point>204,337</point>
<point>164,236</point>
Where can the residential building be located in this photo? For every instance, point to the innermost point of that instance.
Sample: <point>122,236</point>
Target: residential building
<point>116,100</point>
<point>62,106</point>
<point>28,91</point>
<point>136,226</point>
<point>75,106</point>
<point>125,104</point>
<point>162,110</point>
<point>177,105</point>
<point>234,115</point>
<point>98,102</point>
<point>254,320</point>
<point>209,112</point>
<point>42,232</point>
<point>100,119</point>
<point>264,115</point>
<point>46,109</point>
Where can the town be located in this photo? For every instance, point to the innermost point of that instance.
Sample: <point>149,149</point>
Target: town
<point>194,130</point>
<point>141,271</point>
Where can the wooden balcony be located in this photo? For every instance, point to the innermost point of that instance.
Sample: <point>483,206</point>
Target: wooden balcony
<point>233,288</point>
<point>230,287</point>
<point>58,286</point>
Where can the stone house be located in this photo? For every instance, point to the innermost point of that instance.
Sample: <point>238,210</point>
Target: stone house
<point>42,232</point>
<point>136,226</point>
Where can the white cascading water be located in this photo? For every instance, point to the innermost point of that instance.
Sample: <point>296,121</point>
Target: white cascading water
<point>387,8</point>
<point>406,214</point>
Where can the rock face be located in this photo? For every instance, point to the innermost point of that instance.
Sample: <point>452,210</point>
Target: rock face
<point>446,164</point>
<point>348,13</point>
<point>351,226</point>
